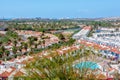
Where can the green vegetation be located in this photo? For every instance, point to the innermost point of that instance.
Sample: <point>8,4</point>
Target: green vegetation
<point>32,44</point>
<point>100,23</point>
<point>10,36</point>
<point>59,67</point>
<point>60,36</point>
<point>53,66</point>
<point>42,25</point>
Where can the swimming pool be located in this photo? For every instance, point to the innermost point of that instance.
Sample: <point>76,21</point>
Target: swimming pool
<point>88,65</point>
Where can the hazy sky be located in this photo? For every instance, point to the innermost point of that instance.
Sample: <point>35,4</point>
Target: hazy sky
<point>59,8</point>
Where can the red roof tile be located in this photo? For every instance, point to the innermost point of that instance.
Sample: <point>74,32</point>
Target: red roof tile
<point>5,74</point>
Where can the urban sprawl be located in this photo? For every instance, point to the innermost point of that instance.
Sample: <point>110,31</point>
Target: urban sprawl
<point>90,47</point>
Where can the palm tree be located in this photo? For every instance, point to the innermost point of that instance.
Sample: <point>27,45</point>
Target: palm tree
<point>43,43</point>
<point>14,49</point>
<point>59,67</point>
<point>20,48</point>
<point>39,43</point>
<point>116,75</point>
<point>36,44</point>
<point>25,46</point>
<point>7,52</point>
<point>1,54</point>
<point>61,37</point>
<point>15,42</point>
<point>3,50</point>
<point>1,43</point>
<point>31,40</point>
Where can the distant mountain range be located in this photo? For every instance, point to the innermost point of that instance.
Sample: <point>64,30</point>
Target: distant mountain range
<point>38,18</point>
<point>100,19</point>
<point>108,19</point>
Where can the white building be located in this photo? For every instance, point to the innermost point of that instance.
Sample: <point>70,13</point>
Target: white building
<point>84,32</point>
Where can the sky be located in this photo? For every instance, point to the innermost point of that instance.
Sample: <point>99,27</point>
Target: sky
<point>59,8</point>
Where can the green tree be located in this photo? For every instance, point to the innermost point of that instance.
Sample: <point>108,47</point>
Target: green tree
<point>1,54</point>
<point>60,67</point>
<point>14,49</point>
<point>61,37</point>
<point>12,34</point>
<point>7,52</point>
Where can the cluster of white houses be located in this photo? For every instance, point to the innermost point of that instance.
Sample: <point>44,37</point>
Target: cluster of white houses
<point>107,29</point>
<point>104,46</point>
<point>13,67</point>
<point>107,39</point>
<point>107,34</point>
<point>110,39</point>
<point>105,42</point>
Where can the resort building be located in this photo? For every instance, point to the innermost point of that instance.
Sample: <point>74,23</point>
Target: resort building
<point>84,32</point>
<point>106,34</point>
<point>104,46</point>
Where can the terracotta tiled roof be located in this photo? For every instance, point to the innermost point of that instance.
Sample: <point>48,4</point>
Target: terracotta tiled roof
<point>19,73</point>
<point>87,28</point>
<point>101,77</point>
<point>13,68</point>
<point>5,74</point>
<point>24,62</point>
<point>12,60</point>
<point>0,62</point>
<point>95,45</point>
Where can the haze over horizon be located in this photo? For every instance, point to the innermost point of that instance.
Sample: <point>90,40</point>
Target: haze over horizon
<point>59,9</point>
